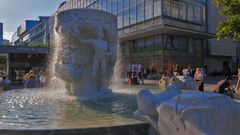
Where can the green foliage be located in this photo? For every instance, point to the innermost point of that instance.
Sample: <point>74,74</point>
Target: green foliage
<point>37,44</point>
<point>231,27</point>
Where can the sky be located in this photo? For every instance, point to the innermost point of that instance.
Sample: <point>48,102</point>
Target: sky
<point>14,12</point>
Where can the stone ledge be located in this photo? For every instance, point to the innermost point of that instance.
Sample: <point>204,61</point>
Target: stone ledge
<point>131,129</point>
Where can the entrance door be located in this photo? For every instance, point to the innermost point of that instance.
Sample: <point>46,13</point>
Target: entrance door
<point>226,69</point>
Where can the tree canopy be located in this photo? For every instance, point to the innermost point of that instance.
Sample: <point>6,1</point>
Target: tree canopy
<point>231,27</point>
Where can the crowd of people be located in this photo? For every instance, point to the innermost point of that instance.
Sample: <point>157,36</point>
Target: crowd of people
<point>33,79</point>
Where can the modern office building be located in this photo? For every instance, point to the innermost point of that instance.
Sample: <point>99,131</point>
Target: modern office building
<point>222,54</point>
<point>1,33</point>
<point>32,33</point>
<point>157,33</point>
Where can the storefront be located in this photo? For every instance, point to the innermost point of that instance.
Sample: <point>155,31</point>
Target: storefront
<point>15,61</point>
<point>4,65</point>
<point>162,52</point>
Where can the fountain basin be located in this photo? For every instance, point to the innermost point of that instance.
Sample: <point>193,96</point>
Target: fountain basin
<point>130,129</point>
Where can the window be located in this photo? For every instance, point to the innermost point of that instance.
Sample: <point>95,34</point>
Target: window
<point>126,12</point>
<point>133,45</point>
<point>166,8</point>
<point>126,17</point>
<point>157,8</point>
<point>104,5</point>
<point>183,12</point>
<point>149,44</point>
<point>140,45</point>
<point>174,9</point>
<point>120,14</point>
<point>140,11</point>
<point>158,42</point>
<point>190,12</point>
<point>109,5</point>
<point>198,16</point>
<point>133,15</point>
<point>148,9</point>
<point>114,7</point>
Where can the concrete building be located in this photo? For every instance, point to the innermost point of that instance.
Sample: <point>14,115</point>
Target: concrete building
<point>32,33</point>
<point>158,34</point>
<point>1,33</point>
<point>222,54</point>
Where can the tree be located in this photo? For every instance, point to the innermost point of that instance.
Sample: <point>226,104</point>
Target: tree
<point>231,27</point>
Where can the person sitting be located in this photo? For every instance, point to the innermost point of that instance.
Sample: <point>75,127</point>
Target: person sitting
<point>6,84</point>
<point>31,83</point>
<point>224,87</point>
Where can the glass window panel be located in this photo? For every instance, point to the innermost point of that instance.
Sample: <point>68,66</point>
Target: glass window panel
<point>158,42</point>
<point>148,9</point>
<point>132,2</point>
<point>120,19</point>
<point>174,8</point>
<point>125,3</point>
<point>109,5</point>
<point>166,8</point>
<point>157,8</point>
<point>190,12</point>
<point>104,5</point>
<point>126,17</point>
<point>183,10</point>
<point>133,46</point>
<point>120,13</point>
<point>140,45</point>
<point>133,15</point>
<point>149,44</point>
<point>198,17</point>
<point>140,11</point>
<point>176,43</point>
<point>114,7</point>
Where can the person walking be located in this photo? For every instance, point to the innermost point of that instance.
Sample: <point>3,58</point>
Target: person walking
<point>199,78</point>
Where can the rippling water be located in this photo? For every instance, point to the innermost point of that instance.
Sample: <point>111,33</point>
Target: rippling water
<point>45,109</point>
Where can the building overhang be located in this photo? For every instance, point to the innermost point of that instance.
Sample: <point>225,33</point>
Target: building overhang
<point>163,29</point>
<point>4,49</point>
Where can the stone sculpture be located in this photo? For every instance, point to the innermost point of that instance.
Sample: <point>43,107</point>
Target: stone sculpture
<point>87,51</point>
<point>190,113</point>
<point>182,82</point>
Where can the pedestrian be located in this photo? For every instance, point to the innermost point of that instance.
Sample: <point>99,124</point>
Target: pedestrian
<point>199,78</point>
<point>238,80</point>
<point>141,76</point>
<point>6,84</point>
<point>31,83</point>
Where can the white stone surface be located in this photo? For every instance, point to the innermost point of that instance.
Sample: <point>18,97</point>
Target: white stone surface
<point>186,83</point>
<point>190,113</point>
<point>198,113</point>
<point>147,102</point>
<point>87,50</point>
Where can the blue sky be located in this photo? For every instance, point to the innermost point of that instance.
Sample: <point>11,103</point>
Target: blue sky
<point>14,12</point>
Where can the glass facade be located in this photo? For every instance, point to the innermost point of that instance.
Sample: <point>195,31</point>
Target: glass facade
<point>130,12</point>
<point>159,50</point>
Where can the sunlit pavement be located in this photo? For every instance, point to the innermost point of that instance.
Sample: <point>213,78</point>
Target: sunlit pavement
<point>209,85</point>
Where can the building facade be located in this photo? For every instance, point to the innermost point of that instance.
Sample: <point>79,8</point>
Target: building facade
<point>157,34</point>
<point>1,33</point>
<point>32,33</point>
<point>222,54</point>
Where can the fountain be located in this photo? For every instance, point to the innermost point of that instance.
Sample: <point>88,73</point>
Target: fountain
<point>84,59</point>
<point>87,51</point>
